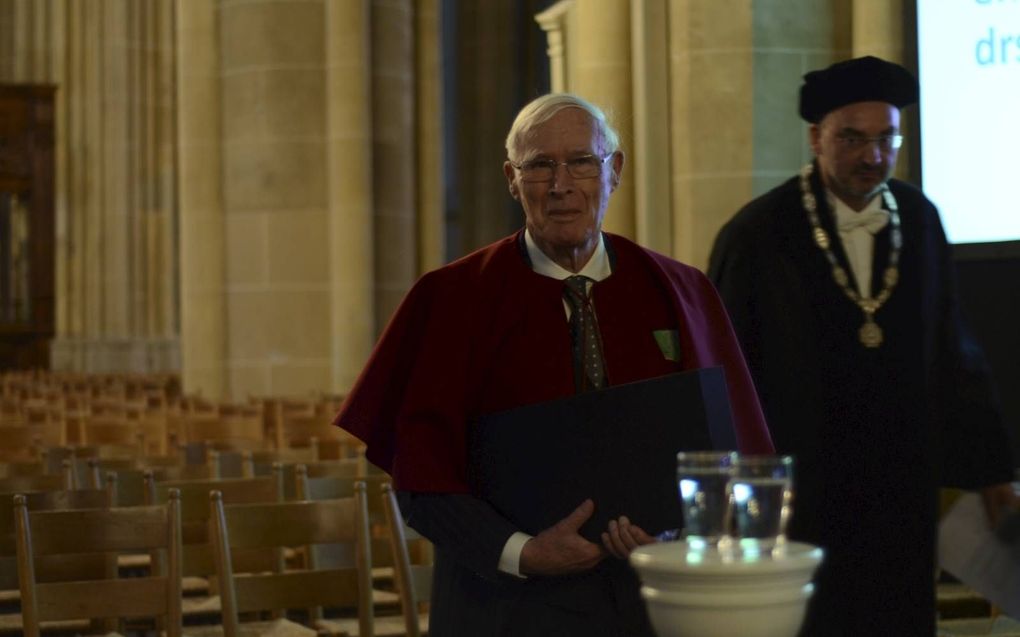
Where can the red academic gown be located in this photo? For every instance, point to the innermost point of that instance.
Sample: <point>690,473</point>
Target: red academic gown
<point>485,334</point>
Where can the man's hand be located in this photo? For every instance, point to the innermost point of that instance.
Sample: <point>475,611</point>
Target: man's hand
<point>560,550</point>
<point>623,537</point>
<point>999,499</point>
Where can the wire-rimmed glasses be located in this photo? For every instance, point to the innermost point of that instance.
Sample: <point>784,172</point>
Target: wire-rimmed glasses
<point>885,143</point>
<point>583,167</point>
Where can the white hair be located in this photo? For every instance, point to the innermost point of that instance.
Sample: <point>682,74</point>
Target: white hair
<point>543,108</point>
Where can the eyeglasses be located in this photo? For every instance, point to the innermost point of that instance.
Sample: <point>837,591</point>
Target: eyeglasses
<point>885,142</point>
<point>584,167</point>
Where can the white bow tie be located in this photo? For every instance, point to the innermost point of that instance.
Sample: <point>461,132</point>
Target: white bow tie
<point>870,220</point>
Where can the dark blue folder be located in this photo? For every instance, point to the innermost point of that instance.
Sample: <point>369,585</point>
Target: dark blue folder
<point>618,446</point>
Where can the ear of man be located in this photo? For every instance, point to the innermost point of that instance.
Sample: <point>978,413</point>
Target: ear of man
<point>511,179</point>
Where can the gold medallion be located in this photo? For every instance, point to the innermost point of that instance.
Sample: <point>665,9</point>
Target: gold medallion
<point>839,274</point>
<point>870,334</point>
<point>821,238</point>
<point>892,277</point>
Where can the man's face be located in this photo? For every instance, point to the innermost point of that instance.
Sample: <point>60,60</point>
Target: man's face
<point>564,214</point>
<point>854,170</point>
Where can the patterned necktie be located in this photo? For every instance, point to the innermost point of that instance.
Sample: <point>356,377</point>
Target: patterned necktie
<point>589,368</point>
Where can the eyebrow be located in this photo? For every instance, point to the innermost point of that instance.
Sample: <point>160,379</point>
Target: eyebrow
<point>573,154</point>
<point>849,130</point>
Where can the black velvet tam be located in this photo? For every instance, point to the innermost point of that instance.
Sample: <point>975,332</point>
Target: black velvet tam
<point>864,79</point>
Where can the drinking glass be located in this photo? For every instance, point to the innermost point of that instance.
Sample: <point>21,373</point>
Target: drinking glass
<point>702,480</point>
<point>760,493</point>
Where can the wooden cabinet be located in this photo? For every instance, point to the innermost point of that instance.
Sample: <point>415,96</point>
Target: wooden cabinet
<point>27,230</point>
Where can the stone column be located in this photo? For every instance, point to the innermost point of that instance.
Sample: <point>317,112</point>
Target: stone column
<point>120,147</point>
<point>60,156</point>
<point>486,49</point>
<point>650,157</point>
<point>163,283</point>
<point>349,160</point>
<point>601,72</point>
<point>115,190</point>
<point>202,309</point>
<point>429,81</point>
<point>711,84</point>
<point>879,30</point>
<point>393,154</point>
<point>554,22</point>
<point>273,115</point>
<point>6,41</point>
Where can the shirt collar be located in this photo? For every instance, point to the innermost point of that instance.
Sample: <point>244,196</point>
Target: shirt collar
<point>843,212</point>
<point>597,268</point>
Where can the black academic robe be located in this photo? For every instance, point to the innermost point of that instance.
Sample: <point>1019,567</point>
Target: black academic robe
<point>485,334</point>
<point>874,431</point>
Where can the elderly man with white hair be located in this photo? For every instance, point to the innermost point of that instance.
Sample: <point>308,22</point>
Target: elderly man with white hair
<point>557,309</point>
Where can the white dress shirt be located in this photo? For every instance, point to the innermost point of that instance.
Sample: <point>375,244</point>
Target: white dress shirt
<point>596,269</point>
<point>857,231</point>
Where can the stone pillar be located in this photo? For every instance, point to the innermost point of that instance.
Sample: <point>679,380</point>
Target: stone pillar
<point>6,41</point>
<point>650,157</point>
<point>163,284</point>
<point>879,30</point>
<point>116,180</point>
<point>60,157</point>
<point>119,145</point>
<point>601,72</point>
<point>349,160</point>
<point>430,165</point>
<point>487,50</point>
<point>554,22</point>
<point>272,73</point>
<point>711,80</point>
<point>393,154</point>
<point>202,309</point>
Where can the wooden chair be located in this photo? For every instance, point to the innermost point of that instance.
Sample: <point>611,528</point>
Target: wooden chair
<point>295,429</point>
<point>348,469</point>
<point>90,531</point>
<point>322,487</point>
<point>276,408</point>
<point>47,569</point>
<point>224,432</point>
<point>198,561</point>
<point>15,468</point>
<point>63,481</point>
<point>47,421</point>
<point>10,411</point>
<point>19,442</point>
<point>291,524</point>
<point>139,434</point>
<point>163,468</point>
<point>312,483</point>
<point>355,467</point>
<point>294,422</point>
<point>413,576</point>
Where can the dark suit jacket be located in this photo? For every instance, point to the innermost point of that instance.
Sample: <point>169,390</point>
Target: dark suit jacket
<point>483,601</point>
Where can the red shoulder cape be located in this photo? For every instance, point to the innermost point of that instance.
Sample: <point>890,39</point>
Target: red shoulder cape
<point>416,396</point>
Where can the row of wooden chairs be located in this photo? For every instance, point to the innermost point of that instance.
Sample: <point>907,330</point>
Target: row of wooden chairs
<point>73,391</point>
<point>159,432</point>
<point>196,554</point>
<point>50,386</point>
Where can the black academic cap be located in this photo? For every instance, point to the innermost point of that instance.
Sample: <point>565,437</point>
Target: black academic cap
<point>865,79</point>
